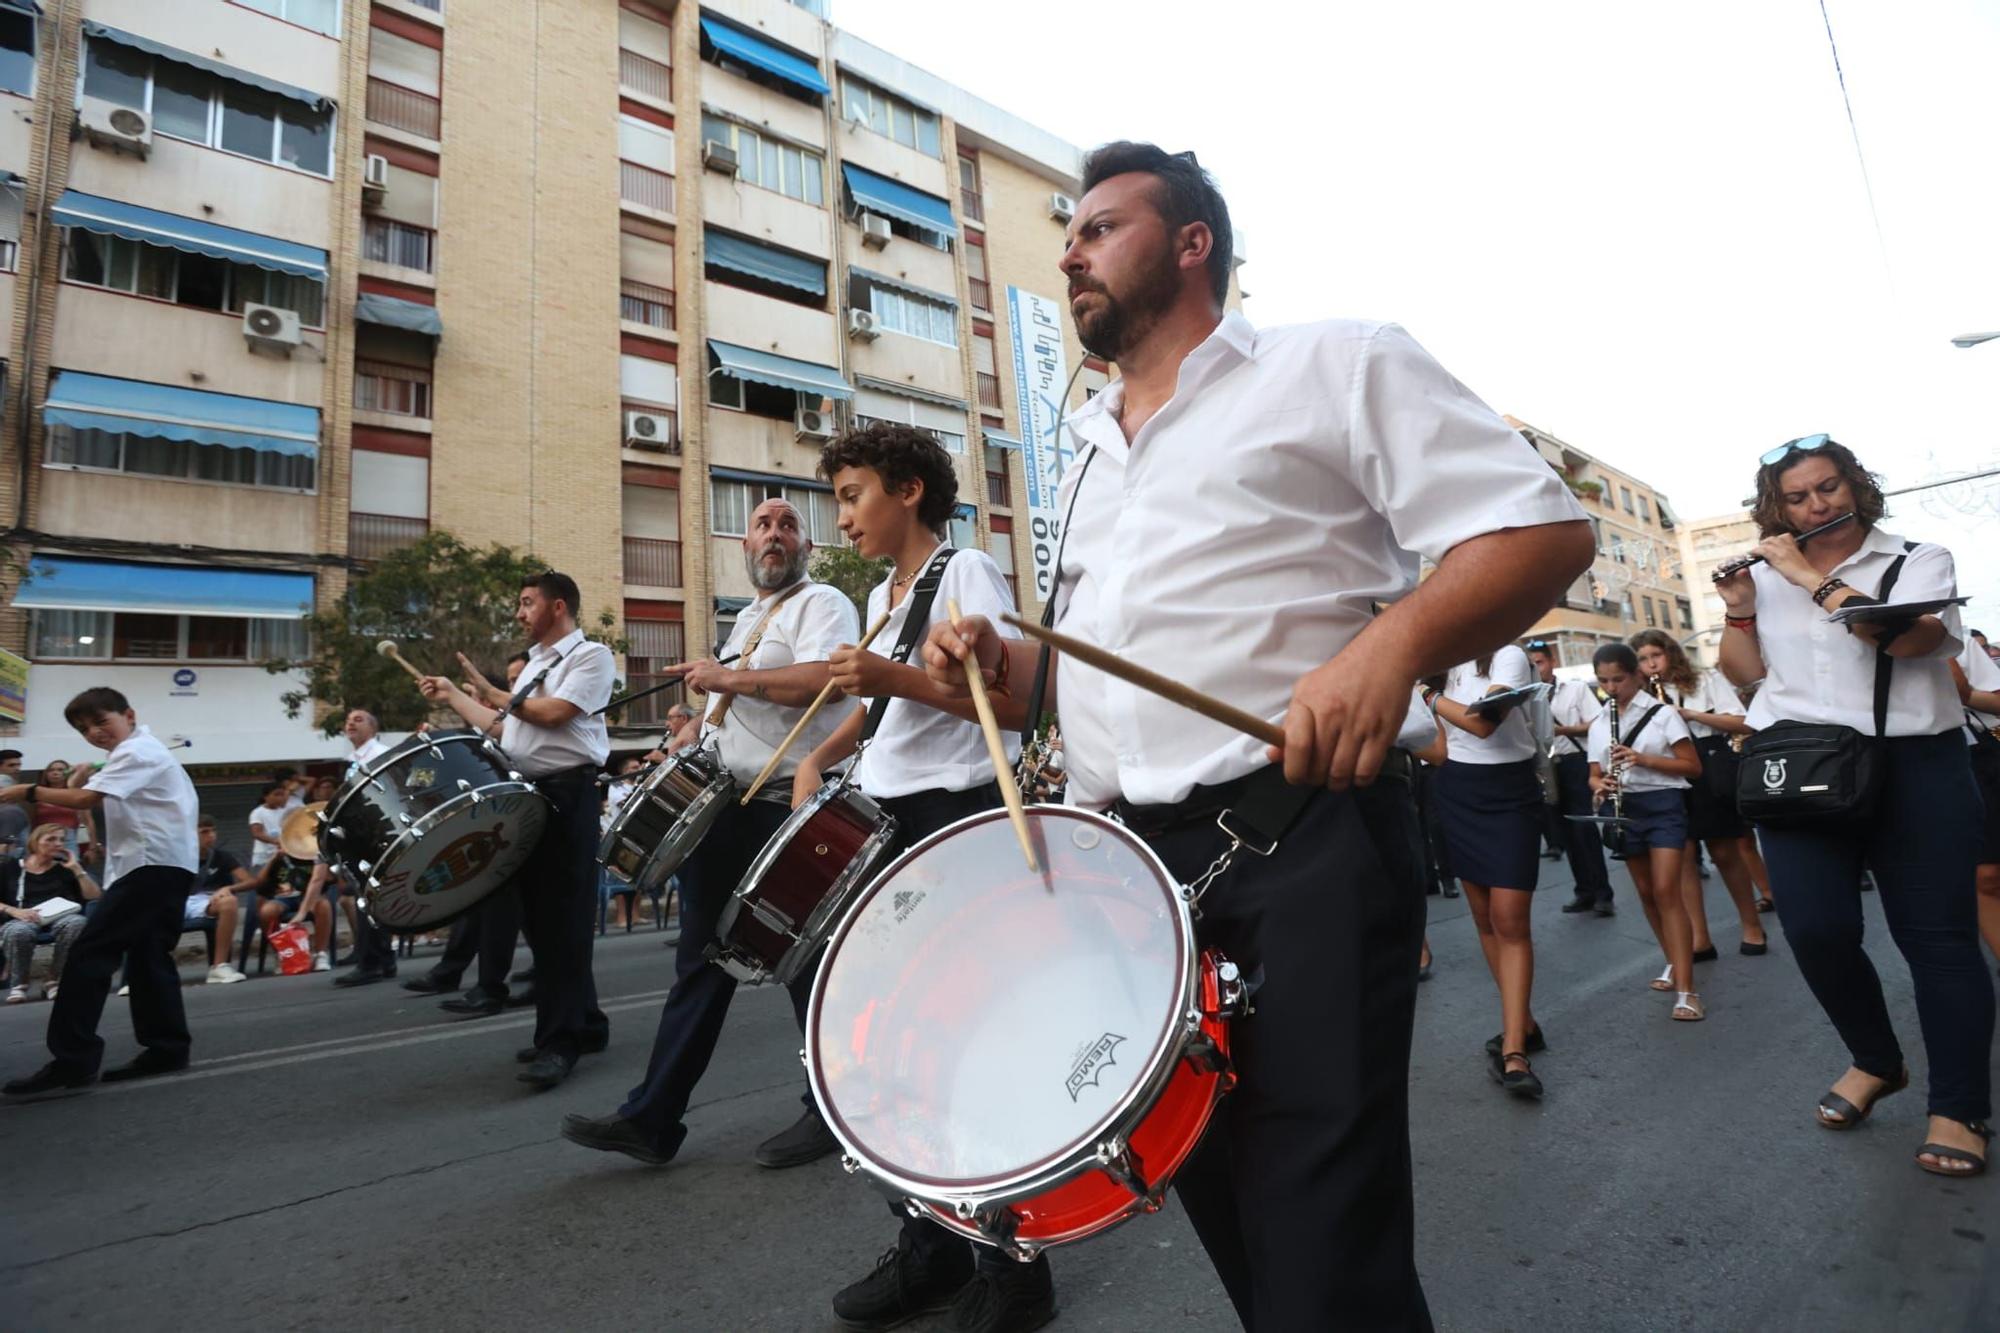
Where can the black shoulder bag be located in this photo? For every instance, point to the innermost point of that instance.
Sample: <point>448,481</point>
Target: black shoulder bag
<point>1806,775</point>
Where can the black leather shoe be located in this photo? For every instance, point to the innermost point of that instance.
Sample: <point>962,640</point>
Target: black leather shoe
<point>475,1002</point>
<point>522,999</point>
<point>1605,908</point>
<point>51,1077</point>
<point>1535,1044</point>
<point>1013,1299</point>
<point>613,1133</point>
<point>364,977</point>
<point>526,974</point>
<point>431,984</point>
<point>901,1286</point>
<point>1520,1082</point>
<point>1705,955</point>
<point>1578,905</point>
<point>144,1065</point>
<point>588,1046</point>
<point>807,1140</point>
<point>547,1069</point>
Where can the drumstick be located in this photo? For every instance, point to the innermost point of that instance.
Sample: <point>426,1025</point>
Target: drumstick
<point>1003,772</point>
<point>778,755</point>
<point>388,649</point>
<point>1152,682</point>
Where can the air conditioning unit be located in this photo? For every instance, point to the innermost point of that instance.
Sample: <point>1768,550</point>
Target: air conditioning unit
<point>268,326</point>
<point>862,324</point>
<point>119,128</point>
<point>374,180</point>
<point>718,156</point>
<point>651,430</point>
<point>814,424</point>
<point>1061,207</point>
<point>875,231</point>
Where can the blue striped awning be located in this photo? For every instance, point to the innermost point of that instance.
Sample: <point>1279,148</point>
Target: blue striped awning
<point>740,255</point>
<point>100,32</point>
<point>879,194</point>
<point>782,372</point>
<point>996,440</point>
<point>769,479</point>
<point>395,313</point>
<point>109,217</point>
<point>762,53</point>
<point>192,416</point>
<point>77,583</point>
<point>874,279</point>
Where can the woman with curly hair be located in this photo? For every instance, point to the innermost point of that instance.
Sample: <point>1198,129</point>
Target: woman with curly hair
<point>1919,835</point>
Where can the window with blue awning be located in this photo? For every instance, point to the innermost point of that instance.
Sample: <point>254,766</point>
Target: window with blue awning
<point>192,416</point>
<point>724,40</point>
<point>764,262</point>
<point>111,217</point>
<point>395,313</point>
<point>104,33</point>
<point>893,199</point>
<point>80,583</point>
<point>781,372</point>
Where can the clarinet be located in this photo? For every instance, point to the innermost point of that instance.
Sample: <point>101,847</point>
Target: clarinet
<point>1614,834</point>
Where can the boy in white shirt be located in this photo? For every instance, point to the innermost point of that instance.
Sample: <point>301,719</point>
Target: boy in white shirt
<point>267,824</point>
<point>150,817</point>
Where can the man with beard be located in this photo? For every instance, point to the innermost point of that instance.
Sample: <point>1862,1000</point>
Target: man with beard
<point>779,651</point>
<point>1240,500</point>
<point>552,730</point>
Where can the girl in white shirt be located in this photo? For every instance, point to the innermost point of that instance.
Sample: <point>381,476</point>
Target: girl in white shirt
<point>1651,759</point>
<point>1489,803</point>
<point>1707,703</point>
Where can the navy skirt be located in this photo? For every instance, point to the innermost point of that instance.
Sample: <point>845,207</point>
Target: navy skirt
<point>1712,813</point>
<point>1659,819</point>
<point>1492,820</point>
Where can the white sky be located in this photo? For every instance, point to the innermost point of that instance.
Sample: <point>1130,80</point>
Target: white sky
<point>1642,228</point>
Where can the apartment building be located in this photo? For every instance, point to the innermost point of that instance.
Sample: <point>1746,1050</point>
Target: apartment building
<point>1706,543</point>
<point>290,283</point>
<point>1637,580</point>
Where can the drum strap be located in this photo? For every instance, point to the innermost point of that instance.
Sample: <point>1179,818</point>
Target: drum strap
<point>720,710</point>
<point>1039,691</point>
<point>916,618</point>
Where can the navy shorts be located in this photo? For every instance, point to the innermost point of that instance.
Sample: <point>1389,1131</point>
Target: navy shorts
<point>1659,819</point>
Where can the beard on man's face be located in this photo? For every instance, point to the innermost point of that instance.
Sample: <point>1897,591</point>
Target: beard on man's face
<point>1112,324</point>
<point>771,575</point>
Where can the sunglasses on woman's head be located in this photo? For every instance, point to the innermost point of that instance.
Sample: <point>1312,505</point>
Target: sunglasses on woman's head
<point>1805,444</point>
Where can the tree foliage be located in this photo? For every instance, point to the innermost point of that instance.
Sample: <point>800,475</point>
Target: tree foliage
<point>851,572</point>
<point>435,599</point>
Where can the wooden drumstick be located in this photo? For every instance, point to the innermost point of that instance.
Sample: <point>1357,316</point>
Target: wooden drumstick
<point>388,649</point>
<point>1003,772</point>
<point>1153,682</point>
<point>778,755</point>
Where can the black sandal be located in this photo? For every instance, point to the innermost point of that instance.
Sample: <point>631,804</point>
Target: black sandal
<point>1845,1114</point>
<point>1520,1082</point>
<point>1766,905</point>
<point>1944,1152</point>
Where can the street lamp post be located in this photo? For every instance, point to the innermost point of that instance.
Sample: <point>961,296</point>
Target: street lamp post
<point>1974,339</point>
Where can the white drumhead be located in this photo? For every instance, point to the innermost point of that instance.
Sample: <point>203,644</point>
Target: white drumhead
<point>468,850</point>
<point>974,1022</point>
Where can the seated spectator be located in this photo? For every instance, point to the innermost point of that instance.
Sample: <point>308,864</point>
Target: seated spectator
<point>217,880</point>
<point>323,789</point>
<point>48,871</point>
<point>267,822</point>
<point>291,892</point>
<point>79,826</point>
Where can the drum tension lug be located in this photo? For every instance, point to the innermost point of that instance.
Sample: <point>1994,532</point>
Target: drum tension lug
<point>1206,1056</point>
<point>998,1224</point>
<point>1116,1159</point>
<point>853,1164</point>
<point>802,1057</point>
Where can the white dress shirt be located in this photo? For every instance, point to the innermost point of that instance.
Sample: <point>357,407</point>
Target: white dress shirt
<point>1984,674</point>
<point>149,808</point>
<point>1420,725</point>
<point>813,622</point>
<point>1242,537</point>
<point>368,750</point>
<point>1513,740</point>
<point>1572,704</point>
<point>581,672</point>
<point>1815,671</point>
<point>1666,727</point>
<point>1712,693</point>
<point>918,748</point>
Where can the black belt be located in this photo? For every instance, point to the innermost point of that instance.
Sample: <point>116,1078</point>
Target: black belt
<point>580,773</point>
<point>1257,807</point>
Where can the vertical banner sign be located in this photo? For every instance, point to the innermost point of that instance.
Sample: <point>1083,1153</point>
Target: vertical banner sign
<point>13,687</point>
<point>1039,380</point>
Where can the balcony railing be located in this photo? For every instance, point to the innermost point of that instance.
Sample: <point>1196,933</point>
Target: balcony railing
<point>643,303</point>
<point>435,6</point>
<point>403,391</point>
<point>653,562</point>
<point>645,187</point>
<point>982,292</point>
<point>997,492</point>
<point>389,242</point>
<point>989,390</point>
<point>970,204</point>
<point>372,536</point>
<point>645,75</point>
<point>402,108</point>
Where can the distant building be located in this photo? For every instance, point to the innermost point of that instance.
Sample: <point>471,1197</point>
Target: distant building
<point>1706,543</point>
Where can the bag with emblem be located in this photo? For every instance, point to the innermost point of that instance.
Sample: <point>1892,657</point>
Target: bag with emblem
<point>1814,774</point>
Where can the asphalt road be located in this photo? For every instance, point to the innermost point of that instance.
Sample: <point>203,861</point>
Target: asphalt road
<point>355,1159</point>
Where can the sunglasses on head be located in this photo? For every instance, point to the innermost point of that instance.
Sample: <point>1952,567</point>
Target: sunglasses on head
<point>1805,444</point>
<point>1539,645</point>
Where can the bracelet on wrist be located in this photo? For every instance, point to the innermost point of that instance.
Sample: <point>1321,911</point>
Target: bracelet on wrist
<point>1826,590</point>
<point>1746,623</point>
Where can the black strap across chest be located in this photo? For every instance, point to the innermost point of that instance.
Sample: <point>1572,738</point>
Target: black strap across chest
<point>916,618</point>
<point>1640,726</point>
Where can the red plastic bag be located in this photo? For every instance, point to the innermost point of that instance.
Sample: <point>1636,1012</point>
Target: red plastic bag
<point>294,946</point>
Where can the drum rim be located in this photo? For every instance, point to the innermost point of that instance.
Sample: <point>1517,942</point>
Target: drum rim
<point>767,856</point>
<point>382,763</point>
<point>1117,1124</point>
<point>418,828</point>
<point>721,784</point>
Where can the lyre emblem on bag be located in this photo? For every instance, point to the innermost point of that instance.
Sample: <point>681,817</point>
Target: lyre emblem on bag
<point>1774,775</point>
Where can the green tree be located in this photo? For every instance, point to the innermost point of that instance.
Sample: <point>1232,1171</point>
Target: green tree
<point>851,572</point>
<point>434,599</point>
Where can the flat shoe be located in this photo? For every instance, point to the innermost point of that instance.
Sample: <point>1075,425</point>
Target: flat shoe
<point>1705,955</point>
<point>1846,1115</point>
<point>1749,950</point>
<point>142,1066</point>
<point>1688,1008</point>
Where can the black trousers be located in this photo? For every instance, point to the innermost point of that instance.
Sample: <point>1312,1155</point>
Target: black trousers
<point>554,897</point>
<point>461,948</point>
<point>500,922</point>
<point>1435,865</point>
<point>1300,1192</point>
<point>691,1019</point>
<point>137,923</point>
<point>1585,848</point>
<point>374,947</point>
<point>1923,846</point>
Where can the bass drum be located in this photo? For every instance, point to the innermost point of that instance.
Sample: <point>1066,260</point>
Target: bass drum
<point>428,830</point>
